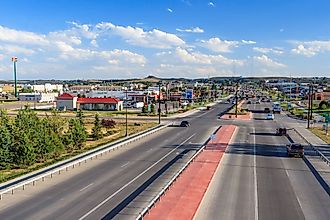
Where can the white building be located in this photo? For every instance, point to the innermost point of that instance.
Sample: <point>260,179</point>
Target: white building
<point>66,101</point>
<point>37,97</point>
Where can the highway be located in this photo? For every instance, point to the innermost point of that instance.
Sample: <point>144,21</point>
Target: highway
<point>102,188</point>
<point>256,179</point>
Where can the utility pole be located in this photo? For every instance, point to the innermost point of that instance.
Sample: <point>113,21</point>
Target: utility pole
<point>312,97</point>
<point>309,105</point>
<point>236,98</point>
<point>126,114</point>
<point>14,60</point>
<point>159,110</point>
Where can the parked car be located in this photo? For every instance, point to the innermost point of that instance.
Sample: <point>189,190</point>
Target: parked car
<point>295,149</point>
<point>267,110</point>
<point>184,124</point>
<point>270,116</point>
<point>248,102</point>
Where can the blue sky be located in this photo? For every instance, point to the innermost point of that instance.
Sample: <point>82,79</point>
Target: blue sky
<point>179,38</point>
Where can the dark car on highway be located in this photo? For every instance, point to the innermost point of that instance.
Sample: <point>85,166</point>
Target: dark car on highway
<point>184,124</point>
<point>295,149</point>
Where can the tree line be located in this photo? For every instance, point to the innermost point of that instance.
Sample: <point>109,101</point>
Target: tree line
<point>27,139</point>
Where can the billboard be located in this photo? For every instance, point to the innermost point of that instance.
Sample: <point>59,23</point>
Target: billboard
<point>189,93</point>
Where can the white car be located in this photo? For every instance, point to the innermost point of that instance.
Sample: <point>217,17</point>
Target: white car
<point>270,116</point>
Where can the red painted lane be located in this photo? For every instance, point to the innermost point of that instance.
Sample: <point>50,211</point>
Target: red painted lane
<point>184,196</point>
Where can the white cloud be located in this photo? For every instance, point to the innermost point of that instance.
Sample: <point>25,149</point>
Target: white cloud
<point>211,4</point>
<point>248,42</point>
<point>21,37</point>
<point>200,58</point>
<point>268,50</point>
<point>169,10</point>
<point>192,30</point>
<point>311,48</point>
<point>138,37</point>
<point>14,50</point>
<point>265,60</point>
<point>217,45</point>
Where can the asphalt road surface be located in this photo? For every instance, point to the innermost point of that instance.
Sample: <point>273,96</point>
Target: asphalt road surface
<point>256,179</point>
<point>98,188</point>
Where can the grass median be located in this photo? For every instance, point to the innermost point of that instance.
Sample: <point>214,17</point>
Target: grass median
<point>318,131</point>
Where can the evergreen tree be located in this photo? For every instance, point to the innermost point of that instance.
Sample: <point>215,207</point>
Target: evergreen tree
<point>96,131</point>
<point>77,134</point>
<point>80,116</point>
<point>6,143</point>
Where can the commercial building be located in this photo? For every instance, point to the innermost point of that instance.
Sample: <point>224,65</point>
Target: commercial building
<point>105,104</point>
<point>38,97</point>
<point>68,101</point>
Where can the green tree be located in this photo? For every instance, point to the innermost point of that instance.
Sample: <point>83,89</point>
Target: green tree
<point>324,104</point>
<point>97,129</point>
<point>80,116</point>
<point>77,134</point>
<point>153,108</point>
<point>6,144</point>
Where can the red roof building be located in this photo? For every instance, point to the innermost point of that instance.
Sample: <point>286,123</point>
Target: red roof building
<point>107,104</point>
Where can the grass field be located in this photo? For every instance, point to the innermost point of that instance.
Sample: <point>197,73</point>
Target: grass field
<point>321,134</point>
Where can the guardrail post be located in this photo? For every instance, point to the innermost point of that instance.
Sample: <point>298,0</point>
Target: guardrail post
<point>12,191</point>
<point>59,172</point>
<point>43,178</point>
<point>33,183</point>
<point>51,175</point>
<point>0,196</point>
<point>23,187</point>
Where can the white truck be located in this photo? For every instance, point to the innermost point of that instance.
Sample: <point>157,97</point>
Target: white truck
<point>138,104</point>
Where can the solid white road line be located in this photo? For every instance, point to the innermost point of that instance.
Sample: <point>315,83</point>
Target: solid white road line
<point>130,182</point>
<point>86,187</point>
<point>255,176</point>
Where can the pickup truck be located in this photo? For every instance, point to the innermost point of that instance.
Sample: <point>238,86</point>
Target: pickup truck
<point>295,149</point>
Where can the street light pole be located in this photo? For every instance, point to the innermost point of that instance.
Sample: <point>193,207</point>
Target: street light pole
<point>126,114</point>
<point>159,103</point>
<point>14,60</point>
<point>309,105</point>
<point>236,98</point>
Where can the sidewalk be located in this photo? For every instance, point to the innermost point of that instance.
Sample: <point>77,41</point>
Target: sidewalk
<point>315,141</point>
<point>320,168</point>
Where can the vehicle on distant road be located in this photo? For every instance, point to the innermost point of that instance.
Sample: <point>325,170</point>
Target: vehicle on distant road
<point>270,116</point>
<point>276,107</point>
<point>258,102</point>
<point>248,102</point>
<point>280,131</point>
<point>295,149</point>
<point>184,124</point>
<point>208,107</point>
<point>267,110</point>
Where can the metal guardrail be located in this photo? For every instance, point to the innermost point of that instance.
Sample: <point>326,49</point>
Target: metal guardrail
<point>172,180</point>
<point>320,154</point>
<point>77,161</point>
